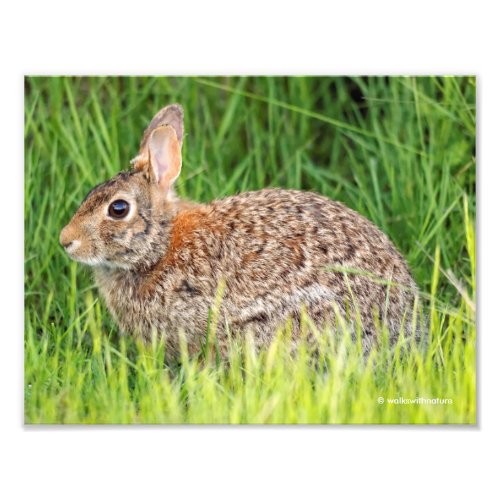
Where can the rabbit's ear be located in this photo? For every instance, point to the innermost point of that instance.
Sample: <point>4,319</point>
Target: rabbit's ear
<point>165,157</point>
<point>170,115</point>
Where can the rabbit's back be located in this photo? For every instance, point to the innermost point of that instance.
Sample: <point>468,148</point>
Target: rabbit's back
<point>276,251</point>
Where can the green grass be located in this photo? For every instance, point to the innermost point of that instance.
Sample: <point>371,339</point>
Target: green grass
<point>399,150</point>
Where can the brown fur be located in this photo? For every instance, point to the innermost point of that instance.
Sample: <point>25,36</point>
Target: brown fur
<point>277,251</point>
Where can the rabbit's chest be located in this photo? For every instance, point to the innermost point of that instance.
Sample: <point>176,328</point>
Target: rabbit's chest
<point>167,304</point>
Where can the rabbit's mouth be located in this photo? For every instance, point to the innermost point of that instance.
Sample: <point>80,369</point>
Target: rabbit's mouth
<point>79,247</point>
<point>95,261</point>
<point>90,261</point>
<point>72,246</point>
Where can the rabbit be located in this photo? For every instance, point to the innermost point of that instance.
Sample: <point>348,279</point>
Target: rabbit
<point>159,261</point>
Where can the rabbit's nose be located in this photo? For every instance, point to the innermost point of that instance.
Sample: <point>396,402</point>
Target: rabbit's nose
<point>68,239</point>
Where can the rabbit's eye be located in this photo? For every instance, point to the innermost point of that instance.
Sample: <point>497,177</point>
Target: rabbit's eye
<point>118,209</point>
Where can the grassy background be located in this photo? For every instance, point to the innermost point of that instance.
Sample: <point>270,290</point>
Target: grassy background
<point>399,150</point>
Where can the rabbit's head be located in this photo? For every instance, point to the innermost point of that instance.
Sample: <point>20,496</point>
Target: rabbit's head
<point>122,222</point>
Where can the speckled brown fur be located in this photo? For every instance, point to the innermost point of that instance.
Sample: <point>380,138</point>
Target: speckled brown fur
<point>277,251</point>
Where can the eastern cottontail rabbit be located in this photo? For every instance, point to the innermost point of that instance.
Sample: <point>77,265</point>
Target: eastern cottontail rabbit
<point>159,261</point>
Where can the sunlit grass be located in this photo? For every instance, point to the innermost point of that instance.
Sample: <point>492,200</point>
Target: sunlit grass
<point>403,155</point>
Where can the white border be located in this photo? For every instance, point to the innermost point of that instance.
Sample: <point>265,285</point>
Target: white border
<point>385,37</point>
